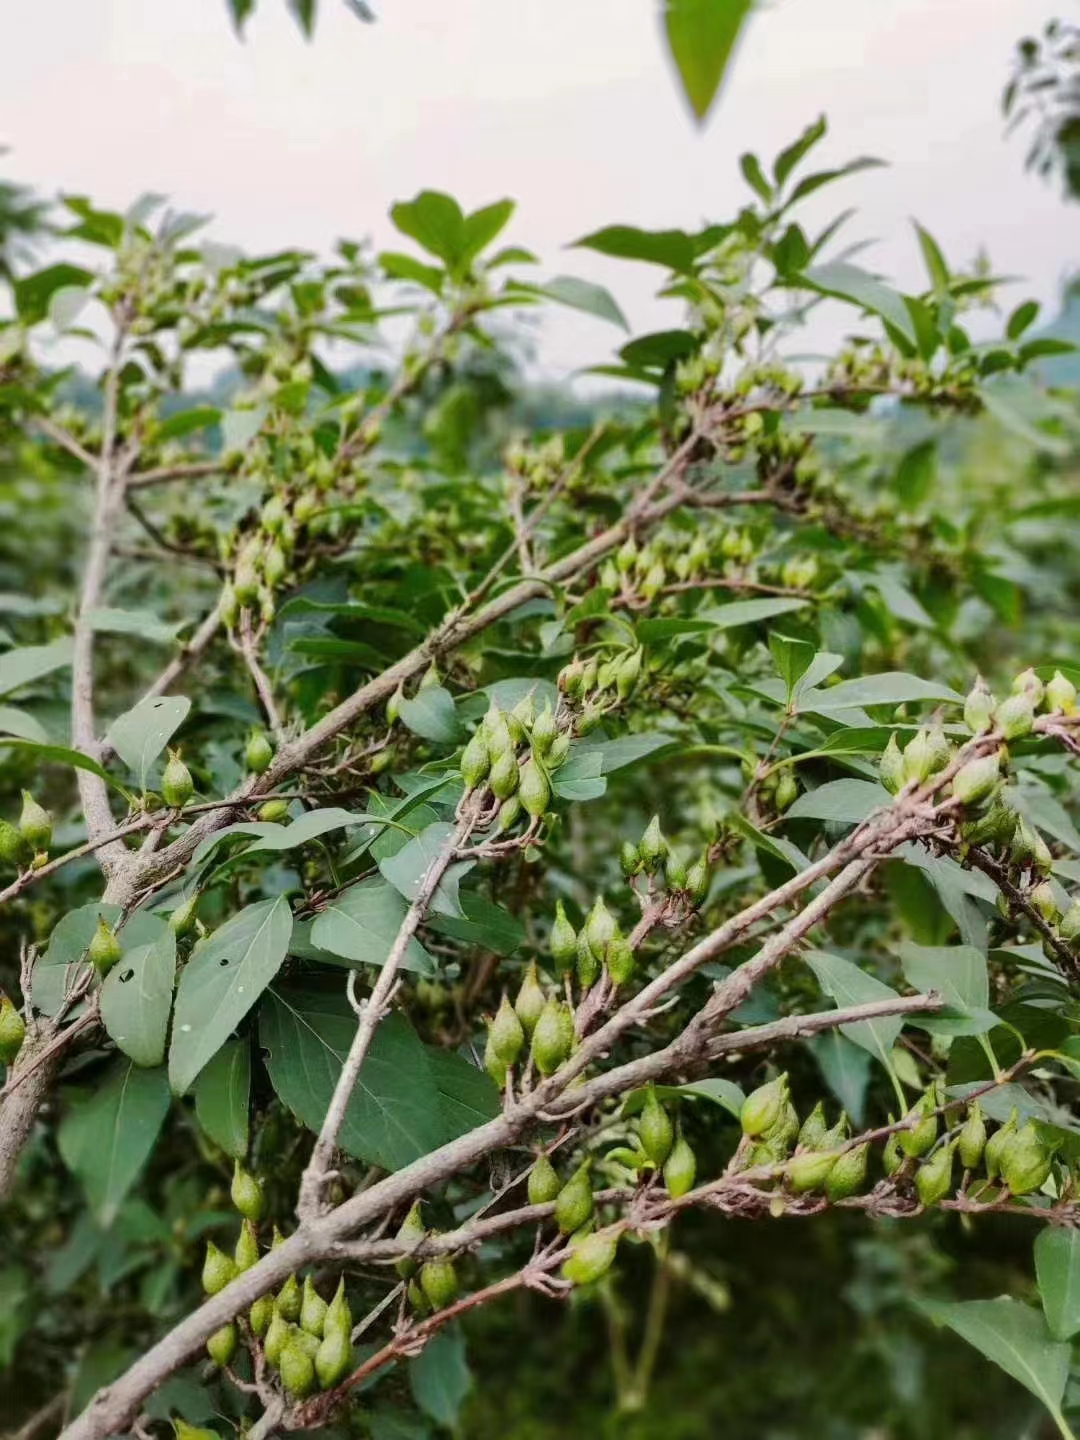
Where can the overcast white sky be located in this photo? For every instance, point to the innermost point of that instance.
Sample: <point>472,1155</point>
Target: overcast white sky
<point>567,105</point>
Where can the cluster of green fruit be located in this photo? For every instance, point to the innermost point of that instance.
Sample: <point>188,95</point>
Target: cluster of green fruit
<point>658,1146</point>
<point>810,1156</point>
<point>26,845</point>
<point>600,684</point>
<point>431,1284</point>
<point>514,754</point>
<point>654,855</point>
<point>538,1016</point>
<point>264,556</point>
<point>305,1339</point>
<point>538,464</point>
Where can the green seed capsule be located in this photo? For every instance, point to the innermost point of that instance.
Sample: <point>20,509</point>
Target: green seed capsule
<point>761,1108</point>
<point>393,706</point>
<point>977,780</point>
<point>562,942</point>
<point>35,823</point>
<point>177,786</point>
<point>544,1183</point>
<point>13,848</point>
<point>229,605</point>
<point>544,731</point>
<point>1028,683</point>
<point>1061,694</point>
<point>261,1314</point>
<point>600,928</point>
<point>892,1157</point>
<point>246,1253</point>
<point>245,583</point>
<point>574,1202</point>
<point>680,1169</point>
<point>218,1269</point>
<point>814,1128</point>
<point>972,1140</point>
<point>104,949</point>
<point>290,1299</point>
<point>273,515</point>
<point>475,761</point>
<point>507,1033</point>
<point>920,1139</point>
<point>509,813</point>
<point>297,1370</point>
<point>504,775</point>
<point>620,960</point>
<point>271,811</point>
<point>313,1309</point>
<point>221,1346</point>
<point>979,707</point>
<point>629,859</point>
<point>277,1336</point>
<point>1025,1161</point>
<point>553,1037</point>
<point>495,1066</point>
<point>590,1258</point>
<point>809,1170</point>
<point>411,1231</point>
<point>627,673</point>
<point>535,788</point>
<point>1069,926</point>
<point>570,678</point>
<point>1044,900</point>
<point>933,1179</point>
<point>1015,717</point>
<point>588,962</point>
<point>995,1146</point>
<point>784,1130</point>
<point>652,846</point>
<point>246,1194</point>
<point>674,871</point>
<point>919,756</point>
<point>891,769</point>
<point>275,565</point>
<point>530,1000</point>
<point>560,749</point>
<point>12,1031</point>
<point>183,919</point>
<point>333,1358</point>
<point>439,1282</point>
<point>258,753</point>
<point>848,1175</point>
<point>655,1129</point>
<point>304,1340</point>
<point>787,791</point>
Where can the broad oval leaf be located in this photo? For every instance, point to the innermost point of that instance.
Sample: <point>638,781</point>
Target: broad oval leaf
<point>223,1096</point>
<point>362,923</point>
<point>107,1140</point>
<point>140,735</point>
<point>137,996</point>
<point>1014,1336</point>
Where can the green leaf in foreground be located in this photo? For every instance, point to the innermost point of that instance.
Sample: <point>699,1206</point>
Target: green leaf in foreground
<point>107,1140</point>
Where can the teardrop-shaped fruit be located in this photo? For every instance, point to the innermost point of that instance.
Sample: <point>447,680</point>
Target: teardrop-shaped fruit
<point>275,565</point>
<point>995,1146</point>
<point>655,1129</point>
<point>652,846</point>
<point>13,848</point>
<point>924,1132</point>
<point>297,1370</point>
<point>629,859</point>
<point>1025,1161</point>
<point>620,960</point>
<point>553,1037</point>
<point>562,941</point>
<point>588,962</point>
<point>260,1315</point>
<point>277,1335</point>
<point>1069,926</point>
<point>504,775</point>
<point>1015,716</point>
<point>273,514</point>
<point>535,788</point>
<point>221,1346</point>
<point>972,1139</point>
<point>544,1183</point>
<point>246,1253</point>
<point>271,811</point>
<point>814,1128</point>
<point>218,1269</point>
<point>35,823</point>
<point>1061,694</point>
<point>933,1179</point>
<point>246,1194</point>
<point>507,1033</point>
<point>680,1169</point>
<point>439,1282</point>
<point>530,1000</point>
<point>410,1232</point>
<point>104,949</point>
<point>475,761</point>
<point>494,1064</point>
<point>574,1202</point>
<point>12,1031</point>
<point>892,1157</point>
<point>848,1175</point>
<point>509,814</point>
<point>918,758</point>
<point>332,1359</point>
<point>784,1130</point>
<point>544,731</point>
<point>979,707</point>
<point>891,768</point>
<point>809,1170</point>
<point>307,1342</point>
<point>761,1108</point>
<point>183,918</point>
<point>591,1257</point>
<point>313,1309</point>
<point>977,780</point>
<point>177,786</point>
<point>289,1300</point>
<point>258,753</point>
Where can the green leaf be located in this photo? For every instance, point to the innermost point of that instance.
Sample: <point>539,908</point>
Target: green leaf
<point>431,715</point>
<point>848,985</point>
<point>891,687</point>
<point>223,1097</point>
<point>959,973</point>
<point>394,1115</point>
<point>186,422</point>
<point>140,735</point>
<point>137,996</point>
<point>916,475</point>
<point>482,226</point>
<point>226,974</point>
<point>361,925</point>
<point>1013,1336</point>
<point>240,10</point>
<point>845,1068</point>
<point>850,801</point>
<point>792,658</point>
<point>435,222</point>
<point>304,14</point>
<point>1057,1267</point>
<point>439,1376</point>
<point>142,624</point>
<point>406,869</point>
<point>673,249</point>
<point>660,349</point>
<point>788,159</point>
<point>21,725</point>
<point>721,1092</point>
<point>934,261</point>
<point>306,828</point>
<point>1022,409</point>
<point>582,295</point>
<point>484,924</point>
<point>68,944</point>
<point>702,35</point>
<point>32,662</point>
<point>406,267</point>
<point>849,282</point>
<point>754,176</point>
<point>107,1140</point>
<point>718,617</point>
<point>34,293</point>
<point>467,1094</point>
<point>62,755</point>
